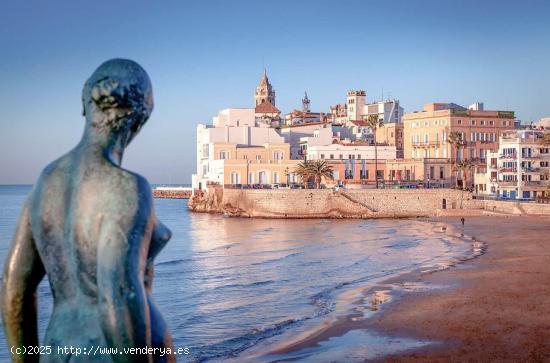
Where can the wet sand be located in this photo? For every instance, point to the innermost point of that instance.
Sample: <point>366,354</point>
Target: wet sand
<point>492,308</point>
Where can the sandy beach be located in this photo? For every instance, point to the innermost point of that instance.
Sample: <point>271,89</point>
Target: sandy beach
<point>495,307</point>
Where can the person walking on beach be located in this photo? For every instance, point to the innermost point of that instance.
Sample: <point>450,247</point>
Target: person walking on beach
<point>462,221</point>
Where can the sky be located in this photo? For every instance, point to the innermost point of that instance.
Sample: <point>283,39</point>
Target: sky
<point>204,56</point>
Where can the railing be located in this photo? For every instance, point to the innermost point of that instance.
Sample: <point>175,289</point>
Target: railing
<point>531,170</point>
<point>508,170</point>
<point>508,156</point>
<point>426,144</point>
<point>532,183</point>
<point>507,183</point>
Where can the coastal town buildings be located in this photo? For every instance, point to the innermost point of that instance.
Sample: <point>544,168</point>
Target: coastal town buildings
<point>519,169</point>
<point>246,147</point>
<point>425,133</point>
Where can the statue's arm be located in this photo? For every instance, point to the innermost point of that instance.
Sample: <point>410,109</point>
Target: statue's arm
<point>161,235</point>
<point>123,305</point>
<point>23,272</point>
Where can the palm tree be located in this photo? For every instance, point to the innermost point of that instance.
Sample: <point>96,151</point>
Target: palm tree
<point>455,139</point>
<point>320,169</point>
<point>465,166</point>
<point>374,123</point>
<point>317,169</point>
<point>303,171</point>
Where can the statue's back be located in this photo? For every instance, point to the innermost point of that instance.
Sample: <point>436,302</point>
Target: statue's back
<point>69,207</point>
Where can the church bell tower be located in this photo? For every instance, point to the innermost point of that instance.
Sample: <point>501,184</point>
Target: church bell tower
<point>264,91</point>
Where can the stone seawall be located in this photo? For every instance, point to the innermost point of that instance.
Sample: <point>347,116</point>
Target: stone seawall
<point>175,193</point>
<point>308,203</point>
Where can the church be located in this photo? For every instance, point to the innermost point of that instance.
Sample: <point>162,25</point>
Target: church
<point>265,109</point>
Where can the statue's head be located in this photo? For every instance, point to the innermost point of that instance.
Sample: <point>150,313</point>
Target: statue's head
<point>118,98</point>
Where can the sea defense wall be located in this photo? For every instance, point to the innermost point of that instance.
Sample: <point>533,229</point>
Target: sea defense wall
<point>327,203</point>
<point>176,193</point>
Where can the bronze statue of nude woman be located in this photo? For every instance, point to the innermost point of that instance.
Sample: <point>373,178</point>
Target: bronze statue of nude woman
<point>90,226</point>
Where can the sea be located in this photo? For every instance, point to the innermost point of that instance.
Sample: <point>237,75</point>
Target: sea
<point>229,286</point>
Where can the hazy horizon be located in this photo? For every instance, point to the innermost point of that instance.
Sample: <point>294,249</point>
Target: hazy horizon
<point>206,56</point>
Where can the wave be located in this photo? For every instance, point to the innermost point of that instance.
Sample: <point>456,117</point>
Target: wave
<point>231,348</point>
<point>174,262</point>
<point>275,260</point>
<point>225,247</point>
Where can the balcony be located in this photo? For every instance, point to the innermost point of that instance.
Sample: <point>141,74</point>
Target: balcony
<point>426,144</point>
<point>503,183</point>
<point>527,156</point>
<point>508,156</point>
<point>508,170</point>
<point>532,183</point>
<point>531,170</point>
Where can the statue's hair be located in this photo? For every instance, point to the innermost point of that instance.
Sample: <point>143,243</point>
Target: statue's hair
<point>119,87</point>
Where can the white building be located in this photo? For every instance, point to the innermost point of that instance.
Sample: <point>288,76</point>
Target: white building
<point>350,152</point>
<point>297,135</point>
<point>234,117</point>
<point>208,169</point>
<point>358,109</point>
<point>519,169</point>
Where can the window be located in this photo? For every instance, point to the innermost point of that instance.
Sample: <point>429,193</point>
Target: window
<point>426,123</point>
<point>459,122</point>
<point>250,178</point>
<point>491,123</point>
<point>341,156</point>
<point>359,156</point>
<point>278,155</point>
<point>245,157</point>
<point>275,177</point>
<point>482,122</point>
<point>235,178</point>
<point>258,157</point>
<point>441,172</point>
<point>473,122</point>
<point>205,151</point>
<point>332,156</point>
<point>224,155</point>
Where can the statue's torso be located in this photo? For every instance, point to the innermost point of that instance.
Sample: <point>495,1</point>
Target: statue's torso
<point>69,207</point>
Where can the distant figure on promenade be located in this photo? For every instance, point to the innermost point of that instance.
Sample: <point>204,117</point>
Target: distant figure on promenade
<point>462,220</point>
<point>91,227</point>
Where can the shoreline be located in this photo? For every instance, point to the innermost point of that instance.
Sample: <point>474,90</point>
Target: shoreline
<point>364,303</point>
<point>478,309</point>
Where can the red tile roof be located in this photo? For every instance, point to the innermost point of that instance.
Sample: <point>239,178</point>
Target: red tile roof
<point>266,107</point>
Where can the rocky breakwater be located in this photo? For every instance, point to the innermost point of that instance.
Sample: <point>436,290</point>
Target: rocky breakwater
<point>172,193</point>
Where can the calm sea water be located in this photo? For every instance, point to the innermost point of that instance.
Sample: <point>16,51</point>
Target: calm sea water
<point>227,284</point>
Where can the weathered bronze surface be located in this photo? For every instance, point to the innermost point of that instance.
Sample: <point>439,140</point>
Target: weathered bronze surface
<point>90,226</point>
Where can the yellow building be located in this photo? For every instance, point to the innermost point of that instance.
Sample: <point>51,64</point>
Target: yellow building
<point>269,164</point>
<point>391,134</point>
<point>425,133</point>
